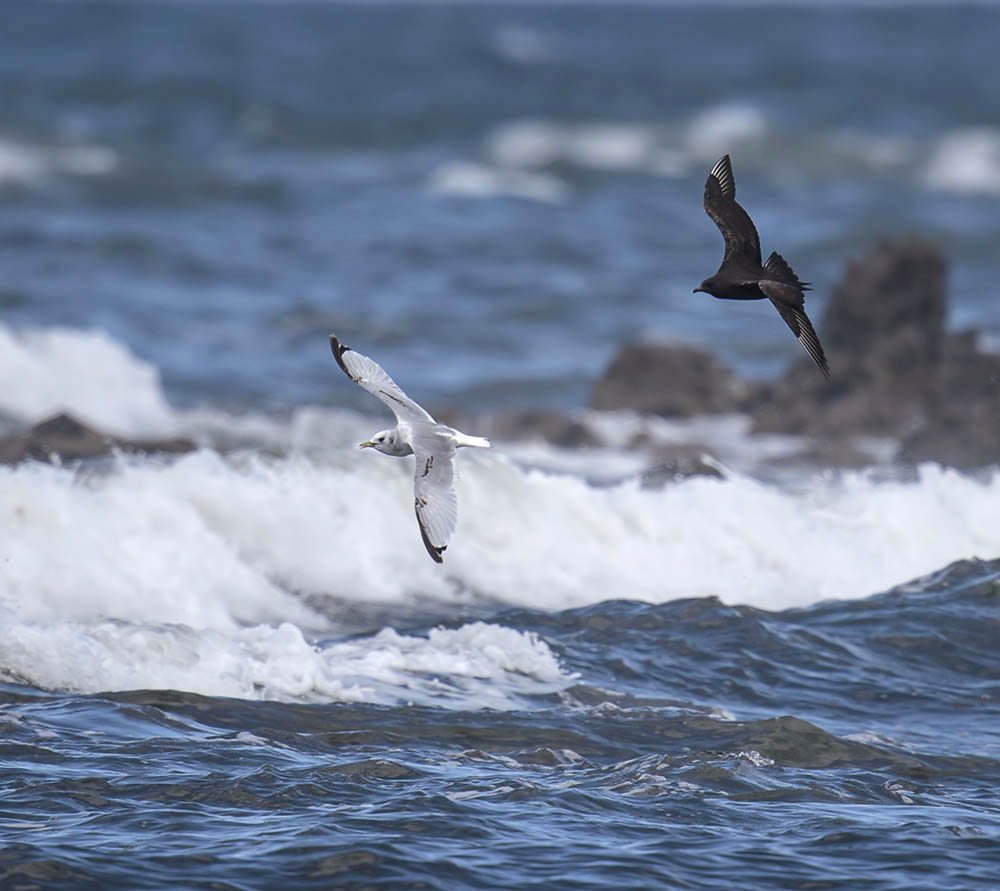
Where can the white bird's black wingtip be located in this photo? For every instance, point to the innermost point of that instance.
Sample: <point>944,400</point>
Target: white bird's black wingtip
<point>432,549</point>
<point>338,353</point>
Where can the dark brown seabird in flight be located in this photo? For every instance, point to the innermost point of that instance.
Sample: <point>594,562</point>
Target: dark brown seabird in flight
<point>741,276</point>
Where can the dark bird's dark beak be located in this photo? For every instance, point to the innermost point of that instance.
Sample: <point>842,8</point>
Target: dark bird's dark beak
<point>696,290</point>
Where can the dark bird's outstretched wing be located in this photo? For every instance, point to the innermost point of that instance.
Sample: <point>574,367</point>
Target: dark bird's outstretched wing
<point>787,299</point>
<point>738,230</point>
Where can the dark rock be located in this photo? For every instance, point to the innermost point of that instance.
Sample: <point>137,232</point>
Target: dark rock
<point>550,426</point>
<point>828,452</point>
<point>896,371</point>
<point>679,462</point>
<point>962,428</point>
<point>884,335</point>
<point>670,380</point>
<point>891,304</point>
<point>527,424</point>
<point>66,438</point>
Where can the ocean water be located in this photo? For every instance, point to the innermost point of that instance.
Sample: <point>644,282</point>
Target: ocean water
<point>238,668</point>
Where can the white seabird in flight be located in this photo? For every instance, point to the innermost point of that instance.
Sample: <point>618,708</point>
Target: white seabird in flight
<point>416,433</point>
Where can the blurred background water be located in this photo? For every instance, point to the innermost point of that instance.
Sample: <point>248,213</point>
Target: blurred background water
<point>241,669</point>
<point>511,190</point>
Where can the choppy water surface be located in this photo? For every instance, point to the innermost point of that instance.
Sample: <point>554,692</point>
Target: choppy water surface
<point>237,668</point>
<point>846,745</point>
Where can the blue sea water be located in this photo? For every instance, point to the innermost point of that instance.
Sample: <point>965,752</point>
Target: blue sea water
<point>237,668</point>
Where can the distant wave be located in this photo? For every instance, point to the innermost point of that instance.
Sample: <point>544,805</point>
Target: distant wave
<point>471,180</point>
<point>84,372</point>
<point>966,160</point>
<point>665,149</point>
<point>521,45</point>
<point>517,154</point>
<point>24,163</point>
<point>477,665</point>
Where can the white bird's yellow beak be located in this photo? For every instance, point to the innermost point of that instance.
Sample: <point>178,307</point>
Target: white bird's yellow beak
<point>367,444</point>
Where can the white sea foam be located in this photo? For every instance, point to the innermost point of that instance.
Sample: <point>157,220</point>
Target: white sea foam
<point>669,149</point>
<point>23,163</point>
<point>522,45</point>
<point>527,144</point>
<point>724,128</point>
<point>196,574</point>
<point>966,160</point>
<point>218,574</point>
<point>86,372</point>
<point>471,180</point>
<point>611,146</point>
<point>477,665</point>
<point>963,160</point>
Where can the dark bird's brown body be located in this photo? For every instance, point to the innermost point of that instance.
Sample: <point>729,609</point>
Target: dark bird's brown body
<point>742,276</point>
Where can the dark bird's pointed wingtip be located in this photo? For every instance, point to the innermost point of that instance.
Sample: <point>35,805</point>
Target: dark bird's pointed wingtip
<point>722,173</point>
<point>810,341</point>
<point>338,353</point>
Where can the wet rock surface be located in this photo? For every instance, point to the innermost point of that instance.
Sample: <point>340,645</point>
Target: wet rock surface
<point>672,380</point>
<point>962,425</point>
<point>548,426</point>
<point>64,438</point>
<point>884,334</point>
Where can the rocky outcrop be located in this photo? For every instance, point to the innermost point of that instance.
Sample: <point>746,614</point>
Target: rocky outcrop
<point>671,380</point>
<point>884,335</point>
<point>541,424</point>
<point>64,438</point>
<point>962,426</point>
<point>896,372</point>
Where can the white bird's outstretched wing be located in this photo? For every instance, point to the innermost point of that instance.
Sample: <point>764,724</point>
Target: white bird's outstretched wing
<point>370,375</point>
<point>434,495</point>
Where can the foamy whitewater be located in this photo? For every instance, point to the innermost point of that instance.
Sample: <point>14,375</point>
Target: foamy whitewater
<point>224,574</point>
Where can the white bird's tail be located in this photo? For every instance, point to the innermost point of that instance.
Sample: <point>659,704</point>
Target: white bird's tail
<point>463,439</point>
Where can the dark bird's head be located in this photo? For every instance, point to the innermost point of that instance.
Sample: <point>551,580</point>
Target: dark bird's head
<point>706,287</point>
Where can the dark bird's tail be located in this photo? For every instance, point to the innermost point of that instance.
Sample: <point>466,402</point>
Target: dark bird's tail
<point>777,268</point>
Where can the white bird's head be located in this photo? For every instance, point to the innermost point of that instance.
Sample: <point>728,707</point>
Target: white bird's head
<point>388,442</point>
